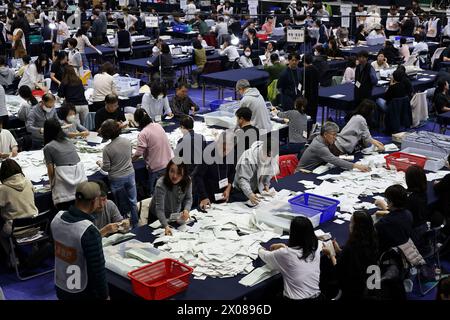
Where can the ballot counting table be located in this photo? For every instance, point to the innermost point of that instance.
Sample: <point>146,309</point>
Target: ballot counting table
<point>229,288</point>
<point>341,97</point>
<point>373,50</point>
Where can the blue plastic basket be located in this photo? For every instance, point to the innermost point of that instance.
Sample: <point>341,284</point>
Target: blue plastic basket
<point>180,28</point>
<point>307,203</point>
<point>214,105</point>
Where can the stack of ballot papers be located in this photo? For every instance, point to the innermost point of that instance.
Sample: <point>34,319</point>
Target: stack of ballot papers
<point>210,134</point>
<point>223,242</point>
<point>116,238</point>
<point>257,276</point>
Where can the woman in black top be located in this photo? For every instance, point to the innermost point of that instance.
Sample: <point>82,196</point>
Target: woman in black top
<point>360,34</point>
<point>350,263</point>
<point>441,99</point>
<point>390,52</point>
<point>123,42</point>
<point>164,59</point>
<point>253,41</point>
<point>57,70</point>
<point>417,204</point>
<point>72,90</point>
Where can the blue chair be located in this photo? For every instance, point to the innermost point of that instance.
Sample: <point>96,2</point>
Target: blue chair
<point>398,115</point>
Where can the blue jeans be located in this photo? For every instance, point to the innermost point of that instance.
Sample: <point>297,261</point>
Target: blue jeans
<point>124,191</point>
<point>152,177</point>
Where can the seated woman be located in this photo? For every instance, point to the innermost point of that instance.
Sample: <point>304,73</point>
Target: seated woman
<point>71,125</point>
<point>395,227</point>
<point>390,52</point>
<point>441,99</point>
<point>297,121</point>
<point>333,50</point>
<point>404,49</point>
<point>29,102</point>
<point>298,261</point>
<point>360,35</point>
<point>16,199</point>
<point>245,61</point>
<point>381,62</point>
<point>349,264</point>
<point>33,75</point>
<point>395,90</point>
<point>356,133</point>
<point>213,182</point>
<point>200,61</point>
<point>163,61</point>
<point>173,194</point>
<point>155,102</point>
<point>349,73</point>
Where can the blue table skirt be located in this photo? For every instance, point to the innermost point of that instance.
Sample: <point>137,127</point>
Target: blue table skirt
<point>230,77</point>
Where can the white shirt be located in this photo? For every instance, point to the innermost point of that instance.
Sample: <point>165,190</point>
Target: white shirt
<point>155,107</point>
<point>245,62</point>
<point>300,277</point>
<point>63,32</point>
<point>7,141</point>
<point>103,85</point>
<point>190,11</point>
<point>23,36</point>
<point>360,20</point>
<point>231,52</point>
<point>392,22</point>
<point>377,67</point>
<point>349,75</point>
<point>130,20</point>
<point>404,52</point>
<point>30,76</point>
<point>82,43</point>
<point>419,47</point>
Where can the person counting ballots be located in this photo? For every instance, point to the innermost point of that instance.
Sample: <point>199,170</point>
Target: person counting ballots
<point>320,151</point>
<point>80,272</point>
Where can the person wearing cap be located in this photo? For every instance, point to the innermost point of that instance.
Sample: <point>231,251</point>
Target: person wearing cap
<point>80,272</point>
<point>252,99</point>
<point>319,152</point>
<point>107,216</point>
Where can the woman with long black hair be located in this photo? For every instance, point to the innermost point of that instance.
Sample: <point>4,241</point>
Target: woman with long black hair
<point>298,261</point>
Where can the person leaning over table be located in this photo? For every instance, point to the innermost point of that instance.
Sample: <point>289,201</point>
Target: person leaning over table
<point>116,161</point>
<point>298,261</point>
<point>153,145</point>
<point>318,152</point>
<point>229,50</point>
<point>255,169</point>
<point>156,102</point>
<point>297,121</point>
<point>181,104</point>
<point>173,194</point>
<point>111,110</point>
<point>349,265</point>
<point>107,216</point>
<point>71,125</point>
<point>64,167</point>
<point>78,243</point>
<point>72,90</point>
<point>33,73</point>
<point>45,110</point>
<point>356,132</point>
<point>213,181</point>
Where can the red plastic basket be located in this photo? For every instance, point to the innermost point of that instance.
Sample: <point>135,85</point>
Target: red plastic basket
<point>262,36</point>
<point>161,279</point>
<point>37,93</point>
<point>402,161</point>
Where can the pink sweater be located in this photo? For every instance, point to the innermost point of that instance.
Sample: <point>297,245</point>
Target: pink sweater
<point>154,146</point>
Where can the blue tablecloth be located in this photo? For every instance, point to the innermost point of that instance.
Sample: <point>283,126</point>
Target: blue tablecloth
<point>327,94</point>
<point>373,50</point>
<point>229,78</point>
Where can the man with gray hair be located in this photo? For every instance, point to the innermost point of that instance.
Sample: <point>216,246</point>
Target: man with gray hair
<point>319,153</point>
<point>252,99</point>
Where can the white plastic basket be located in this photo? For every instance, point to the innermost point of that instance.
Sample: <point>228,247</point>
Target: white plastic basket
<point>435,160</point>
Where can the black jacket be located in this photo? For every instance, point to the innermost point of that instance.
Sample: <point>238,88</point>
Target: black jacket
<point>365,78</point>
<point>394,229</point>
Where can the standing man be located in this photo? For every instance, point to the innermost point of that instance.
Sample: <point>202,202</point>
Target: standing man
<point>365,78</point>
<point>289,82</point>
<point>252,99</point>
<point>80,272</point>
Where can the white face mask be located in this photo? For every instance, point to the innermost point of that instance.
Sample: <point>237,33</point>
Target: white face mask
<point>247,54</point>
<point>47,109</point>
<point>71,119</point>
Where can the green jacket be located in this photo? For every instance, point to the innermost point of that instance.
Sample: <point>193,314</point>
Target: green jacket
<point>275,71</point>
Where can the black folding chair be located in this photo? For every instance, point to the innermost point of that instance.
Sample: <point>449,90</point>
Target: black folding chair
<point>29,232</point>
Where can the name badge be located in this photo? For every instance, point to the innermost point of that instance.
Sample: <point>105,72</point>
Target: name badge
<point>219,196</point>
<point>299,87</point>
<point>305,134</point>
<point>358,84</point>
<point>223,183</point>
